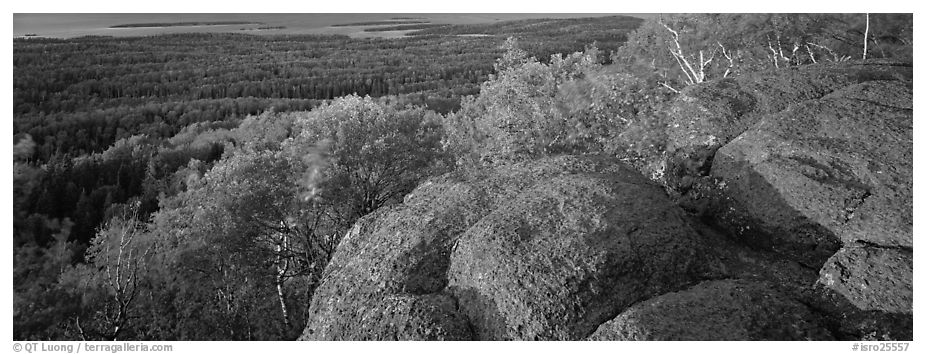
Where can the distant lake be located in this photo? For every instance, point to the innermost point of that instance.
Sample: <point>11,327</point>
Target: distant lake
<point>75,25</point>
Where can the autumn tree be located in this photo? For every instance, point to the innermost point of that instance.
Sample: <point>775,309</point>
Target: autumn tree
<point>374,154</point>
<point>238,239</point>
<point>515,115</point>
<point>111,283</point>
<point>571,104</point>
<point>243,245</point>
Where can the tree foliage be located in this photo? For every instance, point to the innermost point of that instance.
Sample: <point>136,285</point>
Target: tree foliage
<point>377,153</point>
<point>236,251</point>
<point>109,286</point>
<point>573,104</point>
<point>683,50</point>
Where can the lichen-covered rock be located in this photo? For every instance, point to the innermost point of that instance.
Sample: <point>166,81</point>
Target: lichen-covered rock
<point>398,250</point>
<point>707,116</point>
<point>571,252</point>
<point>405,250</point>
<point>826,172</point>
<point>406,317</point>
<point>872,278</point>
<point>717,310</point>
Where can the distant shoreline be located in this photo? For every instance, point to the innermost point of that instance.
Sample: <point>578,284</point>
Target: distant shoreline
<point>404,27</point>
<point>184,24</point>
<point>66,26</point>
<point>383,23</point>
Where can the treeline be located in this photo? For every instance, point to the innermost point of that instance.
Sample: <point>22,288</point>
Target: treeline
<point>379,23</point>
<point>178,24</point>
<point>86,131</point>
<point>210,66</point>
<point>403,27</point>
<point>608,33</point>
<point>85,91</point>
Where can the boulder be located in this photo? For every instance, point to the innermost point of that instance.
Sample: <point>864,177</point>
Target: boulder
<point>405,251</point>
<point>399,250</point>
<point>707,116</point>
<point>872,278</point>
<point>569,253</point>
<point>825,173</point>
<point>717,310</point>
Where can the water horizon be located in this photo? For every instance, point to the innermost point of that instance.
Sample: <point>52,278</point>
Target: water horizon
<point>66,25</point>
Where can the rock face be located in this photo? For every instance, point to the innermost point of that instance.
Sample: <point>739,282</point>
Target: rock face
<point>828,172</point>
<point>717,310</point>
<point>708,116</point>
<point>872,278</point>
<point>569,253</point>
<point>542,250</point>
<point>789,217</point>
<point>827,182</point>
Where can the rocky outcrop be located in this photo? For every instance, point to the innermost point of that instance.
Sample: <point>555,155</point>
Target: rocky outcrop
<point>541,250</point>
<point>788,217</point>
<point>827,172</point>
<point>707,116</point>
<point>827,183</point>
<point>717,310</point>
<point>569,253</point>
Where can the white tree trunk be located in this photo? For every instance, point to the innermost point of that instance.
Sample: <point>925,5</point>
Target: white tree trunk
<point>282,300</point>
<point>865,48</point>
<point>282,268</point>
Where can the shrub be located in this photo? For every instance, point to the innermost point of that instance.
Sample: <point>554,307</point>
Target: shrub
<point>362,154</point>
<point>571,105</point>
<point>517,113</point>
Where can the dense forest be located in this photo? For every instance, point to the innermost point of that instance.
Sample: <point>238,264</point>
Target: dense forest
<point>81,95</point>
<point>194,186</point>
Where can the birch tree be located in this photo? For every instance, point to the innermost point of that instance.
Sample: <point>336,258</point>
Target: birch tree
<point>683,50</point>
<point>118,265</point>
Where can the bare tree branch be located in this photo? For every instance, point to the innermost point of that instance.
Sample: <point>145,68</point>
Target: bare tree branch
<point>729,59</point>
<point>681,59</point>
<point>663,84</point>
